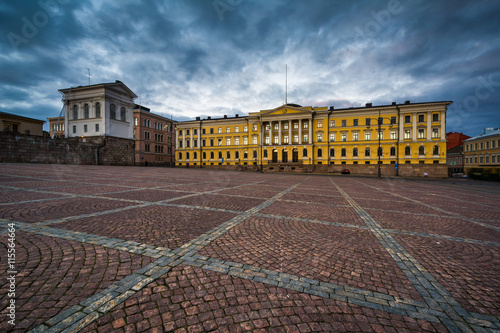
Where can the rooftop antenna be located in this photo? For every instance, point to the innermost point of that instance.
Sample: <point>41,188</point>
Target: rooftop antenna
<point>286,84</point>
<point>89,74</point>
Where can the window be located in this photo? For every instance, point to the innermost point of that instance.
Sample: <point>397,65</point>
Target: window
<point>86,113</point>
<point>355,152</point>
<point>393,120</point>
<point>393,151</point>
<point>304,152</point>
<point>112,111</point>
<point>332,137</point>
<point>122,114</point>
<point>245,128</point>
<point>98,110</point>
<point>368,121</point>
<point>343,137</point>
<point>435,117</point>
<point>195,131</point>
<point>285,139</point>
<point>296,125</point>
<point>355,122</point>
<point>195,155</point>
<point>343,152</point>
<point>421,133</point>
<point>481,145</point>
<point>254,127</point>
<point>236,154</point>
<point>245,140</point>
<point>493,144</point>
<point>212,155</point>
<point>421,150</point>
<point>204,143</point>
<point>187,154</point>
<point>228,129</point>
<point>408,119</point>
<point>254,140</point>
<point>188,143</point>
<point>435,150</point>
<point>320,153</point>
<point>220,155</point>
<point>187,131</point>
<point>147,148</point>
<point>74,129</point>
<point>355,136</point>
<point>305,138</point>
<point>407,134</point>
<point>380,151</point>
<point>180,156</point>
<point>267,140</point>
<point>180,142</point>
<point>421,118</point>
<point>147,136</point>
<point>368,136</point>
<point>435,133</point>
<point>211,142</point>
<point>344,123</point>
<point>204,155</point>
<point>393,135</point>
<point>211,131</point>
<point>236,141</point>
<point>228,155</point>
<point>332,152</point>
<point>219,142</point>
<point>245,155</point>
<point>367,152</point>
<point>487,161</point>
<point>203,131</point>
<point>97,127</point>
<point>85,128</point>
<point>493,157</point>
<point>195,143</point>
<point>407,151</point>
<point>268,127</point>
<point>228,142</point>
<point>255,154</point>
<point>265,153</point>
<point>306,125</point>
<point>320,137</point>
<point>285,125</point>
<point>275,140</point>
<point>380,135</point>
<point>75,111</point>
<point>320,123</point>
<point>332,123</point>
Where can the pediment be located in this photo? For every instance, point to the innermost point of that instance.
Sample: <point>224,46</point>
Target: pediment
<point>285,110</point>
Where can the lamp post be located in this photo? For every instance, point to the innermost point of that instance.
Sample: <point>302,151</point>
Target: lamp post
<point>379,121</point>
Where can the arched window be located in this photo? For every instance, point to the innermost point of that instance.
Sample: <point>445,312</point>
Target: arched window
<point>97,109</point>
<point>343,152</point>
<point>204,155</point>
<point>435,150</point>
<point>320,153</point>
<point>228,155</point>
<point>245,155</point>
<point>355,152</point>
<point>407,150</point>
<point>122,114</point>
<point>112,111</point>
<point>304,152</point>
<point>421,150</point>
<point>380,151</point>
<point>332,152</point>
<point>86,114</point>
<point>255,154</point>
<point>180,156</point>
<point>367,152</point>
<point>393,151</point>
<point>212,155</point>
<point>265,153</point>
<point>75,111</point>
<point>195,155</point>
<point>236,154</point>
<point>187,156</point>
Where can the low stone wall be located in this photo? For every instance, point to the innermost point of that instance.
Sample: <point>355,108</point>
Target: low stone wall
<point>20,148</point>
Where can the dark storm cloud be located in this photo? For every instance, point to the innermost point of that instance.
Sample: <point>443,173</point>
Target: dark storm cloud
<point>198,58</point>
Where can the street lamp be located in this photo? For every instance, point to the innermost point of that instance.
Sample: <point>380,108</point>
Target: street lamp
<point>379,121</point>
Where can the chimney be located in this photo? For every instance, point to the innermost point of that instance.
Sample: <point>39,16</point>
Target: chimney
<point>368,105</point>
<point>209,117</point>
<point>393,103</point>
<point>332,107</point>
<point>198,118</point>
<point>225,116</point>
<point>236,115</point>
<point>407,102</point>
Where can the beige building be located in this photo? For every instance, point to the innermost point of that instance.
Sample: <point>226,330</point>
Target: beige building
<point>18,124</point>
<point>483,150</point>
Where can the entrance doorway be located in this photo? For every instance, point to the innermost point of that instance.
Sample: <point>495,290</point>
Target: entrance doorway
<point>284,156</point>
<point>275,156</point>
<point>295,155</point>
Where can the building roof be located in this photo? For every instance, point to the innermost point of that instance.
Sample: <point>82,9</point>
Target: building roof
<point>110,84</point>
<point>485,135</point>
<point>22,117</point>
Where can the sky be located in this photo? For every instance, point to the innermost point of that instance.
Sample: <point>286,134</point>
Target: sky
<point>204,58</point>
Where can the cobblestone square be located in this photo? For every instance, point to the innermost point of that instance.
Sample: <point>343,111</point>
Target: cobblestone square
<point>133,249</point>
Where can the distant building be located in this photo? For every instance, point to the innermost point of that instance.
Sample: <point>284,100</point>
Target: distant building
<point>483,150</point>
<point>56,129</point>
<point>291,137</point>
<point>104,109</point>
<point>18,124</point>
<point>154,138</point>
<point>455,152</point>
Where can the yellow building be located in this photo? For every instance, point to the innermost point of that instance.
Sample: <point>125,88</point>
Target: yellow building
<point>483,150</point>
<point>291,137</point>
<point>18,124</point>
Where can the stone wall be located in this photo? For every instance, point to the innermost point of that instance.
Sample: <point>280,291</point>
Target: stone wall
<point>20,148</point>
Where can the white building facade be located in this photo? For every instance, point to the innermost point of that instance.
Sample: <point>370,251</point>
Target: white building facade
<point>104,109</point>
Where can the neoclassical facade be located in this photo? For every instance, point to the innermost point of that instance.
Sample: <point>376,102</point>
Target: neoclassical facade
<point>104,109</point>
<point>293,135</point>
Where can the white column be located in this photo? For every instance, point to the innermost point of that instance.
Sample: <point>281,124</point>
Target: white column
<point>279,132</point>
<point>176,139</point>
<point>270,132</point>
<point>401,127</point>
<point>184,138</point>
<point>191,143</point>
<point>429,119</point>
<point>443,125</point>
<point>300,131</point>
<point>310,131</point>
<point>290,132</point>
<point>414,130</point>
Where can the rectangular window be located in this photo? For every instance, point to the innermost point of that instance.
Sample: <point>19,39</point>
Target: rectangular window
<point>203,131</point>
<point>344,123</point>
<point>481,145</point>
<point>320,123</point>
<point>285,139</point>
<point>332,137</point>
<point>74,129</point>
<point>275,140</point>
<point>355,122</point>
<point>421,133</point>
<point>245,140</point>
<point>393,120</point>
<point>305,138</point>
<point>203,143</point>
<point>319,137</point>
<point>368,121</point>
<point>211,142</point>
<point>211,131</point>
<point>267,140</point>
<point>306,125</point>
<point>180,143</point>
<point>195,143</point>
<point>421,118</point>
<point>435,133</point>
<point>219,129</point>
<point>435,117</point>
<point>295,138</point>
<point>187,132</point>
<point>245,129</point>
<point>492,144</point>
<point>380,135</point>
<point>481,159</point>
<point>493,158</point>
<point>285,125</point>
<point>407,119</point>
<point>228,142</point>
<point>195,131</point>
<point>487,145</point>
<point>97,127</point>
<point>219,142</point>
<point>228,129</point>
<point>487,159</point>
<point>368,136</point>
<point>276,126</point>
<point>407,134</point>
<point>355,136</point>
<point>254,127</point>
<point>180,132</point>
<point>343,137</point>
<point>236,129</point>
<point>188,144</point>
<point>332,123</point>
<point>236,141</point>
<point>393,135</point>
<point>254,140</point>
